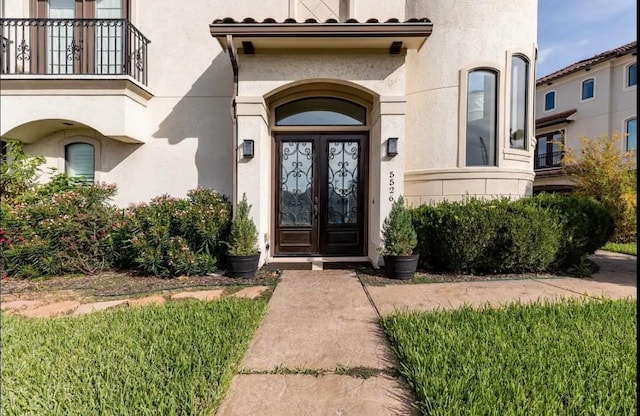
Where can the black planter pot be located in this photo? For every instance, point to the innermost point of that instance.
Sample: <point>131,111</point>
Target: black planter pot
<point>243,266</point>
<point>401,267</point>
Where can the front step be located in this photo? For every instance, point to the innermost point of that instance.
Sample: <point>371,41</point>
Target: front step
<point>318,263</point>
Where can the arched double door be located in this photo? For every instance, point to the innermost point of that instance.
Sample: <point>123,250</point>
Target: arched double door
<point>321,177</point>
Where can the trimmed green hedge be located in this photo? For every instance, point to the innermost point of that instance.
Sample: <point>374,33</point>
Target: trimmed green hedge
<point>586,225</point>
<point>504,236</point>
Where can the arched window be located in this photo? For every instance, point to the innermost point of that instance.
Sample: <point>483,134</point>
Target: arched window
<point>320,111</point>
<point>519,102</point>
<point>550,101</point>
<point>80,161</point>
<point>632,76</point>
<point>588,89</point>
<point>482,92</point>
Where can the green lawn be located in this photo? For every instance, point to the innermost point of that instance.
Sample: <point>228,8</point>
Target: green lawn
<point>624,248</point>
<point>158,360</point>
<point>571,358</point>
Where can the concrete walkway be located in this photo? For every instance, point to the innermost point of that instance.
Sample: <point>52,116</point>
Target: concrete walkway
<point>321,329</point>
<point>318,322</point>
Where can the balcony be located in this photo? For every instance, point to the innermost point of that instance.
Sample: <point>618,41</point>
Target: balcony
<point>548,160</point>
<point>89,73</point>
<point>59,48</point>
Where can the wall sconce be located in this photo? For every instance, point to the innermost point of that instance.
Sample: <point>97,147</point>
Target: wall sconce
<point>247,149</point>
<point>392,146</point>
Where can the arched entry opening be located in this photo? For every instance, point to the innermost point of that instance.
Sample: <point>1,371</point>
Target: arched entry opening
<point>321,158</point>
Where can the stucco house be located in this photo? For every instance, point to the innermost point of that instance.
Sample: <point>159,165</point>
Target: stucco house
<point>321,111</point>
<point>593,97</point>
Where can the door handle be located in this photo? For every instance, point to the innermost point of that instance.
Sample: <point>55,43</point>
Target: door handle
<point>315,208</point>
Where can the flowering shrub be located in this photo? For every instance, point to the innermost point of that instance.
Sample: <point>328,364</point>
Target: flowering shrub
<point>171,236</point>
<point>59,233</point>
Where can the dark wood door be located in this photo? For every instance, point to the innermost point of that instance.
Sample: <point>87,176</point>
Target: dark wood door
<point>320,201</point>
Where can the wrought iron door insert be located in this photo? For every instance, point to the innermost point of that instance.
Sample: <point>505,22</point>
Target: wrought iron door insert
<point>320,194</point>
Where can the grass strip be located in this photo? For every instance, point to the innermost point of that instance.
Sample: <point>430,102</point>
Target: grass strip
<point>178,358</point>
<point>624,248</point>
<point>571,358</point>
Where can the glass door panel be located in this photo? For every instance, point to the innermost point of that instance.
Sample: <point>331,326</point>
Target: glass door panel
<point>343,182</point>
<point>296,183</point>
<point>297,227</point>
<point>62,50</point>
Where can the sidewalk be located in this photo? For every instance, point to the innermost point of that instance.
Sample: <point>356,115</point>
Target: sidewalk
<point>321,330</point>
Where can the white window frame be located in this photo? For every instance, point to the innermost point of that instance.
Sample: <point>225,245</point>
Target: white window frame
<point>544,101</point>
<point>80,138</point>
<point>625,77</point>
<point>593,97</point>
<point>509,152</point>
<point>625,124</point>
<point>462,115</point>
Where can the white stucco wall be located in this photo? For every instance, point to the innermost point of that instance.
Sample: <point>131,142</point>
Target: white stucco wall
<point>466,34</point>
<point>605,114</point>
<point>185,126</point>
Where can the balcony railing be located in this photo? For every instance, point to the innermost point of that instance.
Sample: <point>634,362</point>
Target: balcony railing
<point>548,160</point>
<point>73,47</point>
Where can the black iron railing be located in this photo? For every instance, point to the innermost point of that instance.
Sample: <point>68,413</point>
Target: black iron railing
<point>73,47</point>
<point>548,160</point>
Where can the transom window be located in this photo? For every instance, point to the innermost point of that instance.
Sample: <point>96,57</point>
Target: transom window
<point>321,111</point>
<point>482,91</point>
<point>588,88</point>
<point>632,76</point>
<point>519,99</point>
<point>550,101</point>
<point>80,161</point>
<point>630,130</point>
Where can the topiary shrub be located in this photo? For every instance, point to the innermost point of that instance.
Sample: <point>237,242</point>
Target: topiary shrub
<point>398,235</point>
<point>48,233</point>
<point>243,240</point>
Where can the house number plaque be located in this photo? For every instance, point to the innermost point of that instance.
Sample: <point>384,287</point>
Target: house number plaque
<point>392,185</point>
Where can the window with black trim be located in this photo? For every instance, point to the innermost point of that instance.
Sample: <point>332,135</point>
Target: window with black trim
<point>588,89</point>
<point>80,161</point>
<point>630,130</point>
<point>549,150</point>
<point>632,76</point>
<point>482,93</point>
<point>519,102</point>
<point>550,101</point>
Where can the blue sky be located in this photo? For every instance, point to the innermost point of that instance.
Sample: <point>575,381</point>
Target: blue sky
<point>572,30</point>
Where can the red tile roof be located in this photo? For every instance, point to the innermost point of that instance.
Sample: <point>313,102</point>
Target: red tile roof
<point>556,118</point>
<point>586,63</point>
<point>269,20</point>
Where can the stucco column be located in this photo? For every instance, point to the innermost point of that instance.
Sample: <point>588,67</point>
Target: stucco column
<point>254,174</point>
<point>386,172</point>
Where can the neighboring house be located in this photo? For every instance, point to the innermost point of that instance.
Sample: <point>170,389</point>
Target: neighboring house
<point>593,97</point>
<point>322,112</point>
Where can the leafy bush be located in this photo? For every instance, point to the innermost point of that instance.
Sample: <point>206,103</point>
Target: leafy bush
<point>585,226</point>
<point>173,237</point>
<point>398,236</point>
<point>244,237</point>
<point>608,176</point>
<point>59,233</point>
<point>18,172</point>
<point>479,236</point>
